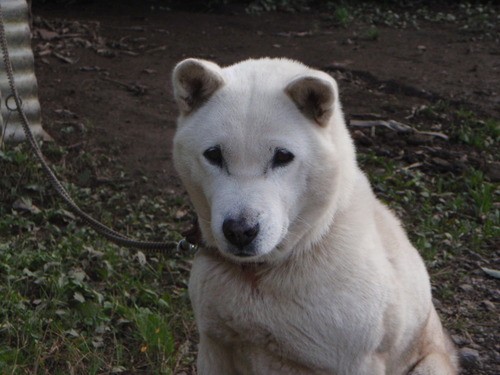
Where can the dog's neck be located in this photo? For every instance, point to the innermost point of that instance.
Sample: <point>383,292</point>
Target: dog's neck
<point>250,271</point>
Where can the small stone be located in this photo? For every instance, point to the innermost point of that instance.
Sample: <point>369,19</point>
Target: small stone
<point>490,306</point>
<point>459,340</point>
<point>469,358</point>
<point>467,288</point>
<point>442,163</point>
<point>496,356</point>
<point>450,17</point>
<point>437,303</point>
<point>419,139</point>
<point>493,171</point>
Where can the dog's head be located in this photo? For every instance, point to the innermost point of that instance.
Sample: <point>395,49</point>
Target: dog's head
<point>262,149</point>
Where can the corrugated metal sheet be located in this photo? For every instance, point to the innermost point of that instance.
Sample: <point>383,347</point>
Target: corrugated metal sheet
<point>1,119</point>
<point>15,14</point>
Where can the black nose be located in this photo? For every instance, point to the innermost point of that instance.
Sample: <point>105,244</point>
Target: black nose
<point>239,232</point>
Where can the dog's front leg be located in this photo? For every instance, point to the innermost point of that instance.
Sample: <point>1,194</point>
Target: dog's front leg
<point>214,358</point>
<point>370,365</point>
<point>434,364</point>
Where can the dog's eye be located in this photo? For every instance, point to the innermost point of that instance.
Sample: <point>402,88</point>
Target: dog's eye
<point>214,156</point>
<point>282,157</point>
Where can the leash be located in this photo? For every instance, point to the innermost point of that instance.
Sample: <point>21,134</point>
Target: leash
<point>118,238</point>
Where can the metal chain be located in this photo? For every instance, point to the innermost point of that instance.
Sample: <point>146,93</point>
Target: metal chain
<point>110,234</point>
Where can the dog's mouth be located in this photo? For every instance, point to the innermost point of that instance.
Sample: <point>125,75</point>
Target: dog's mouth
<point>252,255</point>
<point>244,254</point>
<point>240,255</point>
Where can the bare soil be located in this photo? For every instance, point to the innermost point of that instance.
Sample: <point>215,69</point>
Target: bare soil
<point>104,85</point>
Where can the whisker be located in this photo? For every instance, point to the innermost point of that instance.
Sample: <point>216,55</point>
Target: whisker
<point>303,221</point>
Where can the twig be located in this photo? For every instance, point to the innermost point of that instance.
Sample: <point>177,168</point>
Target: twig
<point>135,88</point>
<point>414,165</point>
<point>369,115</point>
<point>156,49</point>
<point>434,134</point>
<point>75,145</point>
<point>395,126</point>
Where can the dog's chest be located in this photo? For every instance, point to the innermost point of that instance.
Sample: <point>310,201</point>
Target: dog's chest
<point>284,325</point>
<point>244,310</point>
<point>262,330</point>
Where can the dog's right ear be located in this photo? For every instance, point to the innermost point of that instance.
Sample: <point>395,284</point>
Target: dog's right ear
<point>194,82</point>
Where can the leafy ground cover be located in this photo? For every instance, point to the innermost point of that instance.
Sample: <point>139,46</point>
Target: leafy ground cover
<point>73,303</point>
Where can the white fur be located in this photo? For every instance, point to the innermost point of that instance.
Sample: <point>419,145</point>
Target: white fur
<point>334,286</point>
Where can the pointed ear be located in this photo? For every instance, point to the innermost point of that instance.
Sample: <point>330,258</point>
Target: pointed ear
<point>314,97</point>
<point>194,82</point>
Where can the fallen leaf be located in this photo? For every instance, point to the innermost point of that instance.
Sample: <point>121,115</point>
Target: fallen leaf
<point>79,297</point>
<point>181,213</point>
<point>118,369</point>
<point>141,258</point>
<point>25,204</point>
<point>47,34</point>
<point>66,113</point>
<point>129,53</point>
<point>72,332</point>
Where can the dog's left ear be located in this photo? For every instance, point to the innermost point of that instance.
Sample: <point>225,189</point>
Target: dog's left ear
<point>314,97</point>
<point>194,82</point>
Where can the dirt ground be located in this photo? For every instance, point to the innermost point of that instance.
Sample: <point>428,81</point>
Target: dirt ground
<point>107,69</point>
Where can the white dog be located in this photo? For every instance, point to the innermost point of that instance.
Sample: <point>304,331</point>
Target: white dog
<point>302,270</point>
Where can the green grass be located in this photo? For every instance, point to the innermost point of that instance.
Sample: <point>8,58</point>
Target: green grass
<point>465,126</point>
<point>444,213</point>
<point>372,33</point>
<point>341,16</point>
<point>72,302</point>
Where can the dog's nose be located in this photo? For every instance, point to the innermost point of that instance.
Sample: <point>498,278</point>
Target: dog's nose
<point>239,232</point>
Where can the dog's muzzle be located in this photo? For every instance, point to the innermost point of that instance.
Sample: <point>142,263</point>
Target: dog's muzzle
<point>241,234</point>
